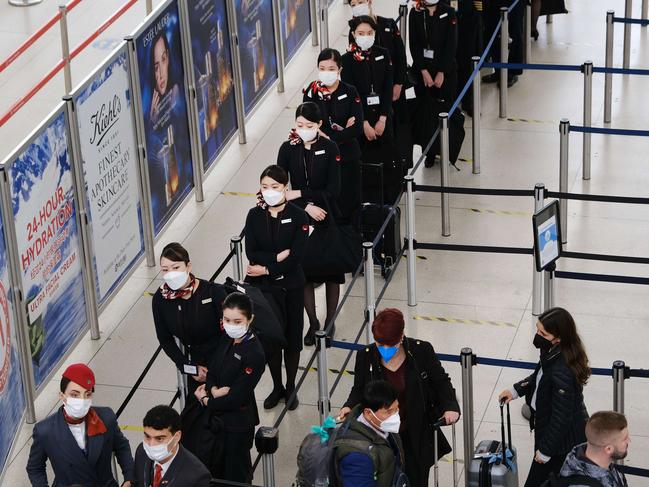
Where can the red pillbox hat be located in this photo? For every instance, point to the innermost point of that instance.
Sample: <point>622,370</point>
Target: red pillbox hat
<point>80,374</point>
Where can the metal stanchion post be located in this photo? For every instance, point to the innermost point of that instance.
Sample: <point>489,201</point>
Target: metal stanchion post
<point>564,131</point>
<point>628,13</point>
<point>236,70</point>
<point>504,57</point>
<point>537,280</point>
<point>548,288</point>
<point>313,13</point>
<point>645,11</point>
<point>323,17</point>
<point>527,34</point>
<point>403,20</point>
<point>475,128</point>
<point>549,19</point>
<point>608,77</point>
<point>410,236</point>
<point>467,361</point>
<point>149,6</point>
<point>444,163</point>
<point>370,300</point>
<point>24,3</point>
<point>65,48</point>
<point>588,109</point>
<point>324,404</point>
<point>620,374</point>
<point>279,45</point>
<point>454,456</point>
<point>267,443</point>
<point>237,259</point>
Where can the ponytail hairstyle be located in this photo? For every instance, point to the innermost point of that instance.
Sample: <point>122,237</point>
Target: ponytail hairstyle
<point>560,323</point>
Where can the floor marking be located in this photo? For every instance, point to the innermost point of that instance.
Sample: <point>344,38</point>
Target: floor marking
<point>500,212</point>
<point>331,371</point>
<point>528,120</point>
<point>461,321</point>
<point>128,427</point>
<point>404,256</point>
<point>236,193</point>
<point>148,293</point>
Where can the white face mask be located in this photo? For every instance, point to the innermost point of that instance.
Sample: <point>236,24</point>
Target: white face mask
<point>272,197</point>
<point>157,453</point>
<point>235,331</point>
<point>391,424</point>
<point>77,408</point>
<point>307,135</point>
<point>176,279</point>
<point>365,42</point>
<point>361,9</point>
<point>328,78</point>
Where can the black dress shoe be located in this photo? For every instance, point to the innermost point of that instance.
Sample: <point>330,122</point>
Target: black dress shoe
<point>309,338</point>
<point>512,81</point>
<point>491,78</point>
<point>535,34</point>
<point>273,398</point>
<point>292,405</point>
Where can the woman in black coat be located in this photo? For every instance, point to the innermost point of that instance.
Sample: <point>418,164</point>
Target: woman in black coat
<point>342,122</point>
<point>554,393</point>
<point>424,390</point>
<point>229,393</point>
<point>369,68</point>
<point>276,233</point>
<point>188,309</point>
<point>312,162</point>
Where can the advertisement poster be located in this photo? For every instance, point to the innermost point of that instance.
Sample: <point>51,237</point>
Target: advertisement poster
<point>49,250</point>
<point>258,63</point>
<point>217,119</point>
<point>166,126</point>
<point>12,398</point>
<point>296,25</point>
<point>110,169</point>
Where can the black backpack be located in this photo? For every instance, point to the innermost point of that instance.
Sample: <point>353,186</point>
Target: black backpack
<point>555,481</point>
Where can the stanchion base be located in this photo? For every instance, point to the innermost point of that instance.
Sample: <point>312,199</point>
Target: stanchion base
<point>24,3</point>
<point>526,412</point>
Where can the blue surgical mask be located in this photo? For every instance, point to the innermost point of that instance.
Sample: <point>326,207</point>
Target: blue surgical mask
<point>387,352</point>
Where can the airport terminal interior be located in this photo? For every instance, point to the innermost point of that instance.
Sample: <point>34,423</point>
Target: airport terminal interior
<point>480,300</point>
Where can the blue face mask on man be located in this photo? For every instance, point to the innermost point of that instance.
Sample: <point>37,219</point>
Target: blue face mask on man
<point>387,352</point>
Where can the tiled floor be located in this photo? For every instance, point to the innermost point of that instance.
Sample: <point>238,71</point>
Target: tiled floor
<point>613,318</point>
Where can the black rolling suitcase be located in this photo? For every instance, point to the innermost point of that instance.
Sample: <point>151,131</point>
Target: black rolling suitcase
<point>372,217</point>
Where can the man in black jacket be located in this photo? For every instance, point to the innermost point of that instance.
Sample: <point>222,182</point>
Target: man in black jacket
<point>79,439</point>
<point>161,459</point>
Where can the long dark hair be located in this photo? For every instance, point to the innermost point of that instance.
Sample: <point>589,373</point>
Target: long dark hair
<point>560,323</point>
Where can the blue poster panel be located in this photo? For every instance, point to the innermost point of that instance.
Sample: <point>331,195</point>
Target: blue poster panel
<point>49,250</point>
<point>257,45</point>
<point>110,173</point>
<point>12,398</point>
<point>166,126</point>
<point>296,25</point>
<point>217,118</point>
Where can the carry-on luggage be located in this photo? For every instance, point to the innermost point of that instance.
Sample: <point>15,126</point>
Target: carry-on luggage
<point>372,217</point>
<point>489,467</point>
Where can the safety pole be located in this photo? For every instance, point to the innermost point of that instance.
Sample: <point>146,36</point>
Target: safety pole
<point>237,78</point>
<point>24,3</point>
<point>620,374</point>
<point>537,279</point>
<point>267,443</point>
<point>475,128</point>
<point>410,236</point>
<point>467,361</point>
<point>323,17</point>
<point>454,453</point>
<point>548,287</point>
<point>549,19</point>
<point>324,404</point>
<point>645,11</point>
<point>237,258</point>
<point>628,13</point>
<point>588,110</point>
<point>403,20</point>
<point>370,300</point>
<point>279,45</point>
<point>65,48</point>
<point>313,14</point>
<point>608,77</point>
<point>527,33</point>
<point>444,163</point>
<point>504,57</point>
<point>564,131</point>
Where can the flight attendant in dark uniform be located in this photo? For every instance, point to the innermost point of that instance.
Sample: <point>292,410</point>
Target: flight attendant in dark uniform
<point>276,233</point>
<point>229,393</point>
<point>389,37</point>
<point>189,309</point>
<point>369,68</point>
<point>312,162</point>
<point>433,45</point>
<point>342,122</point>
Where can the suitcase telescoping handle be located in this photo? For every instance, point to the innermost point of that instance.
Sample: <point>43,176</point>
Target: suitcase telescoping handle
<point>436,426</point>
<point>502,430</point>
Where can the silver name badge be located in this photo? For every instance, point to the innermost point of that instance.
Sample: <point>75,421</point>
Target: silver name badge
<point>206,301</point>
<point>288,220</point>
<point>342,97</point>
<point>429,53</point>
<point>237,356</point>
<point>319,152</point>
<point>373,100</point>
<point>378,58</point>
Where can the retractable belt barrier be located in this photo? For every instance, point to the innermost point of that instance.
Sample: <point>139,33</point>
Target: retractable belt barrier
<point>624,20</point>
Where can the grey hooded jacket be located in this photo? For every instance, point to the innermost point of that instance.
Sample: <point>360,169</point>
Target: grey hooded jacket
<point>578,464</point>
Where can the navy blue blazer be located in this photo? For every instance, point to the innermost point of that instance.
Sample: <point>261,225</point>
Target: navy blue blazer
<point>53,440</point>
<point>185,470</point>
